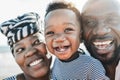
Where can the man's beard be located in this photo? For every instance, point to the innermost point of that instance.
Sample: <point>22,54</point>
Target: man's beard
<point>115,57</point>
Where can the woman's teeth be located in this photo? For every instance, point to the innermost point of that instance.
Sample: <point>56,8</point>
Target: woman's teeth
<point>36,62</point>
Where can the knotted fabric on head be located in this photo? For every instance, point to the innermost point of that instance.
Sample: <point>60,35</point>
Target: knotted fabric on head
<point>20,27</point>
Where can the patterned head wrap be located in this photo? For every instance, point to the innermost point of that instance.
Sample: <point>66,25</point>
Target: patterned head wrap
<point>20,27</point>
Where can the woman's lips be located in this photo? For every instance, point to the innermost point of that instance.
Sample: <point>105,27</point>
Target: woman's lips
<point>35,62</point>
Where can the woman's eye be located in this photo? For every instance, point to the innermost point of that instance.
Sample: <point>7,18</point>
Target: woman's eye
<point>19,50</point>
<point>37,42</point>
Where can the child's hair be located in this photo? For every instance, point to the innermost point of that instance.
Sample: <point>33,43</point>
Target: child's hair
<point>63,5</point>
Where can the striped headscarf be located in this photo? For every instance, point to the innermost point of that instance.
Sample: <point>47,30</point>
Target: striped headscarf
<point>20,27</point>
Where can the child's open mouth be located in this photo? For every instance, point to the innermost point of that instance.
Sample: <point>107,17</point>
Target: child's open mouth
<point>61,49</point>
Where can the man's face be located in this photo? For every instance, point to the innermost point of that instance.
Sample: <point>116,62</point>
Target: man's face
<point>101,30</point>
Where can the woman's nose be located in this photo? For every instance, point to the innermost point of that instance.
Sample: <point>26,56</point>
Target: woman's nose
<point>30,52</point>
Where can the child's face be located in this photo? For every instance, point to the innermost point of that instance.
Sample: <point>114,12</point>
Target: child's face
<point>62,33</point>
<point>30,55</point>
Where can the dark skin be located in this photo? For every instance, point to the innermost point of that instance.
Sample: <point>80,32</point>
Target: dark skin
<point>66,33</point>
<point>101,32</point>
<point>30,54</point>
<point>117,74</point>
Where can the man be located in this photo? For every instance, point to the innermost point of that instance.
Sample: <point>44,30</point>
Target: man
<point>117,75</point>
<point>101,32</point>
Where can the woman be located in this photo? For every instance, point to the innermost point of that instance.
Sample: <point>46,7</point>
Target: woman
<point>28,48</point>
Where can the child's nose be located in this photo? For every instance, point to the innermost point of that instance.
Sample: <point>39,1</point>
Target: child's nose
<point>59,38</point>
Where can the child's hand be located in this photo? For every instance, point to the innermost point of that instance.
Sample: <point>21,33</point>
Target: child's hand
<point>117,74</point>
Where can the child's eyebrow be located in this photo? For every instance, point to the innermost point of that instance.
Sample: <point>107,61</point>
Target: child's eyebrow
<point>65,23</point>
<point>69,23</point>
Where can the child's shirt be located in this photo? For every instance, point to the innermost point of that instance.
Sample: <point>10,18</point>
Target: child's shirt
<point>82,68</point>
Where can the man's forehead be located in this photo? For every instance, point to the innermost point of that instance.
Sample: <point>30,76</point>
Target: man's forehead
<point>101,6</point>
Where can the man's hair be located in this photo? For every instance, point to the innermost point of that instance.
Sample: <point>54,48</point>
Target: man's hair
<point>63,5</point>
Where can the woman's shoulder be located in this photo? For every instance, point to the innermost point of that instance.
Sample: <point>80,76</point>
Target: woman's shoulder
<point>15,77</point>
<point>11,78</point>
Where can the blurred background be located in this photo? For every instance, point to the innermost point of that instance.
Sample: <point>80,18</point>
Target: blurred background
<point>11,9</point>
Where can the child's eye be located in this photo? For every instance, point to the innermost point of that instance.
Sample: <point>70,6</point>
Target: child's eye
<point>49,33</point>
<point>68,30</point>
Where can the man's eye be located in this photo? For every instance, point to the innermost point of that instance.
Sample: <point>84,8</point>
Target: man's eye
<point>112,21</point>
<point>90,22</point>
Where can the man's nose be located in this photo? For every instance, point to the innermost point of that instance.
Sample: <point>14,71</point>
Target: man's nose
<point>101,29</point>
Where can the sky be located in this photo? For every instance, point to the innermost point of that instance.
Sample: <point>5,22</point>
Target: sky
<point>10,9</point>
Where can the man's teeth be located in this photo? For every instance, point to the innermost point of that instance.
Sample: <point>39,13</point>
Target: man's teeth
<point>35,62</point>
<point>102,43</point>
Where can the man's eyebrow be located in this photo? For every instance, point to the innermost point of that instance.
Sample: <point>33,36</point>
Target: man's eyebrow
<point>112,15</point>
<point>89,16</point>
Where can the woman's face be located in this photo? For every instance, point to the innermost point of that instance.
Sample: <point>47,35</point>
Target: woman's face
<point>30,55</point>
